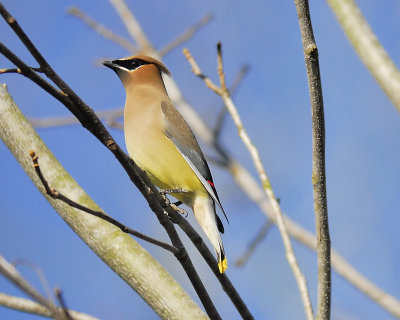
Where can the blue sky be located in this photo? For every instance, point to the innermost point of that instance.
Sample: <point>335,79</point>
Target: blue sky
<point>362,152</point>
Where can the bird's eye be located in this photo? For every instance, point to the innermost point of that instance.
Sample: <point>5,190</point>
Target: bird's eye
<point>131,64</point>
<point>134,64</point>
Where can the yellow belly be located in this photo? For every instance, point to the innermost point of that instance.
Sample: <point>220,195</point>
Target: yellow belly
<point>165,166</point>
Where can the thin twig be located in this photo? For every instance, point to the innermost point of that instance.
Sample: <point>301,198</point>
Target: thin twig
<point>318,163</point>
<point>102,30</point>
<point>197,71</point>
<point>131,24</point>
<point>29,306</point>
<point>224,93</point>
<point>186,36</point>
<point>8,271</point>
<point>369,49</point>
<point>17,70</point>
<point>57,195</point>
<point>221,116</point>
<point>261,234</point>
<point>39,273</point>
<point>60,298</point>
<point>110,116</point>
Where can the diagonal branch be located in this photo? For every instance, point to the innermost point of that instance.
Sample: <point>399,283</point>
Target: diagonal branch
<point>209,258</point>
<point>187,35</point>
<point>368,48</point>
<point>17,70</point>
<point>131,24</point>
<point>102,30</point>
<point>221,116</point>
<point>60,298</point>
<point>254,243</point>
<point>318,163</point>
<point>110,116</point>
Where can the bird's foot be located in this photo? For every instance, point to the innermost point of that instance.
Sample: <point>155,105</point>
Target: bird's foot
<point>176,204</point>
<point>177,209</point>
<point>170,191</point>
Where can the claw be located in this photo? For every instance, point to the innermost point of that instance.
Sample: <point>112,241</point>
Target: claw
<point>180,210</point>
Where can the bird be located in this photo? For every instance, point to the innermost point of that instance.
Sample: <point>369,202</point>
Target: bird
<point>162,144</point>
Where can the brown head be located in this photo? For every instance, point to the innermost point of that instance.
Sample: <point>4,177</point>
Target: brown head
<point>138,69</point>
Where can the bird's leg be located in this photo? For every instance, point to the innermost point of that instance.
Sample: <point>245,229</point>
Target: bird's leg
<point>174,205</point>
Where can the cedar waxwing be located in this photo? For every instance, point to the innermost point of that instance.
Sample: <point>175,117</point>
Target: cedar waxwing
<point>161,143</point>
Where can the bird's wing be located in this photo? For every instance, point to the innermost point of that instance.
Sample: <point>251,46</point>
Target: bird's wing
<point>179,132</point>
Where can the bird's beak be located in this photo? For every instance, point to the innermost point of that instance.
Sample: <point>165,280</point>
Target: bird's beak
<point>111,65</point>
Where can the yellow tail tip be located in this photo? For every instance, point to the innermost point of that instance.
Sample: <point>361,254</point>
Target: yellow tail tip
<point>222,265</point>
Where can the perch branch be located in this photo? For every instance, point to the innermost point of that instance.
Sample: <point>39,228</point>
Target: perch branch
<point>209,258</point>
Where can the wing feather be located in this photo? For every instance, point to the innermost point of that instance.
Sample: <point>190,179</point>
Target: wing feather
<point>179,132</point>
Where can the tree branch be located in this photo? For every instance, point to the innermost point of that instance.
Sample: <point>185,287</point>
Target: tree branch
<point>110,116</point>
<point>220,118</point>
<point>60,298</point>
<point>8,271</point>
<point>318,162</point>
<point>186,36</point>
<point>29,306</point>
<point>133,27</point>
<point>102,30</point>
<point>261,234</point>
<point>368,47</point>
<point>17,70</point>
